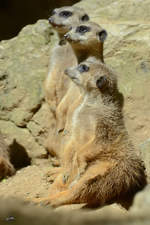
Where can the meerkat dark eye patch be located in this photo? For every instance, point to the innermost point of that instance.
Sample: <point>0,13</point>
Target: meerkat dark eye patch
<point>82,29</point>
<point>65,14</point>
<point>85,18</point>
<point>102,35</point>
<point>83,68</point>
<point>101,83</point>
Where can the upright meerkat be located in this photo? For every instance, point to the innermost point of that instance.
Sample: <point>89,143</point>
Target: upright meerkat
<point>6,168</point>
<point>87,40</point>
<point>100,163</point>
<point>61,57</point>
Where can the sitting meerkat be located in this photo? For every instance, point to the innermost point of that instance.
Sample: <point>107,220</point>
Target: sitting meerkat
<point>87,40</point>
<point>62,55</point>
<point>56,83</point>
<point>6,168</point>
<point>100,164</point>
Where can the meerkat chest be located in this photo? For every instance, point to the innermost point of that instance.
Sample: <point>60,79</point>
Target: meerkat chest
<point>83,123</point>
<point>62,57</point>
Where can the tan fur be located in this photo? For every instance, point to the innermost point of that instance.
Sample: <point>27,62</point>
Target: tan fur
<point>62,56</point>
<point>87,40</point>
<point>6,168</point>
<point>56,83</point>
<point>100,165</point>
<point>85,46</point>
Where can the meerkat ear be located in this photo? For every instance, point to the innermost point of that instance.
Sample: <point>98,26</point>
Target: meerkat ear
<point>102,35</point>
<point>101,83</point>
<point>85,18</point>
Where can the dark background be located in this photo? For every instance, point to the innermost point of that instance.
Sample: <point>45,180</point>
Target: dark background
<point>15,14</point>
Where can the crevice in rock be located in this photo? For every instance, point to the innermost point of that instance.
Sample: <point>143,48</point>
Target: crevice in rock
<point>41,133</point>
<point>15,105</point>
<point>36,108</point>
<point>18,155</point>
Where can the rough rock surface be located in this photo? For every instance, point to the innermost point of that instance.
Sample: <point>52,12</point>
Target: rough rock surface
<point>23,67</point>
<point>17,212</point>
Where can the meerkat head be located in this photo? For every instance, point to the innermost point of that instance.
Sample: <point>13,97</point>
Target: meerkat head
<point>93,77</point>
<point>62,18</point>
<point>87,39</point>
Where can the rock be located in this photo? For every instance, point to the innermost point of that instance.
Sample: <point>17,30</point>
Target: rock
<point>19,212</point>
<point>145,153</point>
<point>142,200</point>
<point>23,67</point>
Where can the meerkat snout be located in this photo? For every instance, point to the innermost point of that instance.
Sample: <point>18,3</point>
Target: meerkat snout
<point>67,37</point>
<point>71,73</point>
<point>50,20</point>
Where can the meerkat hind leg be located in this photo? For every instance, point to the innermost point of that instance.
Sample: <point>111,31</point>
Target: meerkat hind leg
<point>81,191</point>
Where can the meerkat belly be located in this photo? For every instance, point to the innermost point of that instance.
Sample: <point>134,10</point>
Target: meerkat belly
<point>83,125</point>
<point>57,83</point>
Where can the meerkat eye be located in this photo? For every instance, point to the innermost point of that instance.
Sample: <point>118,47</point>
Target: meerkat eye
<point>102,35</point>
<point>101,82</point>
<point>85,17</point>
<point>82,29</point>
<point>83,68</point>
<point>65,14</point>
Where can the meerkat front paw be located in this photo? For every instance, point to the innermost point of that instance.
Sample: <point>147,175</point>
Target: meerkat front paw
<point>52,174</point>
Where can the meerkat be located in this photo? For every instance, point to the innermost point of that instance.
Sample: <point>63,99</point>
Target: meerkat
<point>87,40</point>
<point>100,163</point>
<point>62,55</point>
<point>56,83</point>
<point>6,168</point>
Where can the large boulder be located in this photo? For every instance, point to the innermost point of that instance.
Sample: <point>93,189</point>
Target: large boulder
<point>18,212</point>
<point>23,68</point>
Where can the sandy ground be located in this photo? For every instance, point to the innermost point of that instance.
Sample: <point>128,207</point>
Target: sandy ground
<point>32,182</point>
<point>27,183</point>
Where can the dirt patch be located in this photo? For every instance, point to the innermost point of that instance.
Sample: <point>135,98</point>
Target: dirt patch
<point>28,182</point>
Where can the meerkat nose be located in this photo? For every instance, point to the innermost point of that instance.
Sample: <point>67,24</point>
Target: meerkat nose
<point>67,36</point>
<point>50,20</point>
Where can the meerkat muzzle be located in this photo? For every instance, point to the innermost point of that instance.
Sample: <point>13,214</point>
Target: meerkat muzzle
<point>50,20</point>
